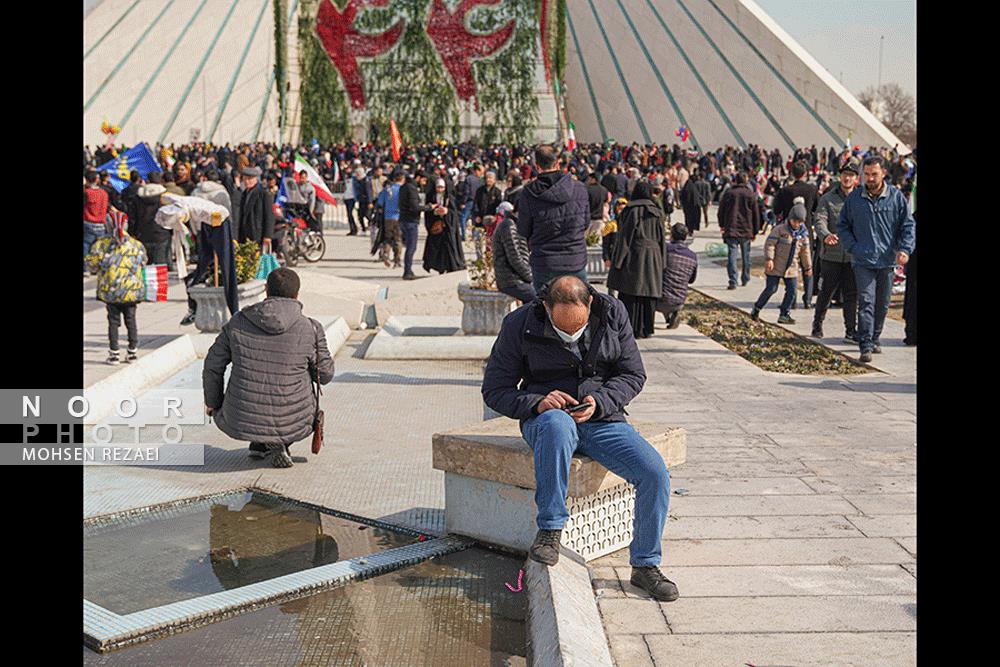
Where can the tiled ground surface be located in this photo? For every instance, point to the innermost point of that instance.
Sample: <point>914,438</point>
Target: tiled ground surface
<point>795,544</point>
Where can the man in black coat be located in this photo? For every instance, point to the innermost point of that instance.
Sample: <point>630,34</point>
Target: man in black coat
<point>783,204</point>
<point>256,213</point>
<point>410,209</point>
<point>566,365</point>
<point>740,221</point>
<point>598,197</point>
<point>553,213</point>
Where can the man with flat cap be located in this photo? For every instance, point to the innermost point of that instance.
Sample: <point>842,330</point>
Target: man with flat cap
<point>256,212</point>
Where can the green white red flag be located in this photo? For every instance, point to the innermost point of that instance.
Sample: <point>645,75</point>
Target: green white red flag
<point>571,138</point>
<point>318,183</point>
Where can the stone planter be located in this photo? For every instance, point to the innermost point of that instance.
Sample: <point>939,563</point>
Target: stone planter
<point>212,311</point>
<point>596,273</point>
<point>483,310</point>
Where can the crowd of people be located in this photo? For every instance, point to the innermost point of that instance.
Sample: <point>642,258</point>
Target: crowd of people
<point>625,193</point>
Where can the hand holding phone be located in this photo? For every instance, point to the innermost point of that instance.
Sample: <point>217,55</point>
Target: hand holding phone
<point>579,407</point>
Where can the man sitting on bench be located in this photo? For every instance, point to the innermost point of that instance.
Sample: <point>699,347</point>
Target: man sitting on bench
<point>566,365</point>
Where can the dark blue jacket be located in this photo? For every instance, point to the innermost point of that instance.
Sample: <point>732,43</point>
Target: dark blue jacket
<point>553,217</point>
<point>528,361</point>
<point>874,231</point>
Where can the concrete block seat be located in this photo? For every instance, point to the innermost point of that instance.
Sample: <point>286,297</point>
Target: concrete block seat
<point>490,482</point>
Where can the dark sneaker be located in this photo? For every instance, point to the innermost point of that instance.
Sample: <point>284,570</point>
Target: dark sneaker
<point>113,359</point>
<point>188,319</point>
<point>755,314</point>
<point>131,356</point>
<point>409,276</point>
<point>865,357</point>
<point>807,305</point>
<point>817,332</point>
<point>545,548</point>
<point>877,349</point>
<point>280,458</point>
<point>745,283</point>
<point>651,580</point>
<point>731,287</point>
<point>785,319</point>
<point>850,339</point>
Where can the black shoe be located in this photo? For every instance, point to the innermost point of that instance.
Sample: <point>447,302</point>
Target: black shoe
<point>785,319</point>
<point>545,548</point>
<point>188,319</point>
<point>850,339</point>
<point>651,580</point>
<point>409,276</point>
<point>745,283</point>
<point>794,305</point>
<point>877,349</point>
<point>354,233</point>
<point>112,359</point>
<point>909,343</point>
<point>755,314</point>
<point>817,332</point>
<point>731,287</point>
<point>280,457</point>
<point>130,356</point>
<point>865,357</point>
<point>807,305</point>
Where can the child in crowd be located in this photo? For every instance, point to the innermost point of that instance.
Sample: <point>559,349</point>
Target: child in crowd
<point>787,244</point>
<point>118,260</point>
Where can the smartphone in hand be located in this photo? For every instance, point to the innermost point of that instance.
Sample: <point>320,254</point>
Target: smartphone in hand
<point>578,407</point>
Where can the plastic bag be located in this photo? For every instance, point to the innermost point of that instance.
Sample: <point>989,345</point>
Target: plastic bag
<point>717,250</point>
<point>268,263</point>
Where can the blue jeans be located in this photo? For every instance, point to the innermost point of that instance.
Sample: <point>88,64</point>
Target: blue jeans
<point>771,287</point>
<point>466,214</point>
<point>539,278</point>
<point>554,437</point>
<point>410,241</point>
<point>874,291</point>
<point>91,232</point>
<point>743,245</point>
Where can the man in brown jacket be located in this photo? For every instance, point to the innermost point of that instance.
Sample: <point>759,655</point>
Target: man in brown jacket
<point>787,244</point>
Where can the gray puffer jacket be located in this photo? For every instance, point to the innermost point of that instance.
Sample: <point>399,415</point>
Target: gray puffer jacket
<point>273,349</point>
<point>826,218</point>
<point>510,254</point>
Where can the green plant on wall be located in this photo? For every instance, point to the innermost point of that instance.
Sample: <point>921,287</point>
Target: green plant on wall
<point>321,96</point>
<point>559,52</point>
<point>505,82</point>
<point>409,84</point>
<point>280,58</point>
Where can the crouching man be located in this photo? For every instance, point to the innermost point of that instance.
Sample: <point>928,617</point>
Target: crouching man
<point>276,352</point>
<point>566,365</point>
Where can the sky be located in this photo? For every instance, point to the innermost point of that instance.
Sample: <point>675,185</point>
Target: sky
<point>843,35</point>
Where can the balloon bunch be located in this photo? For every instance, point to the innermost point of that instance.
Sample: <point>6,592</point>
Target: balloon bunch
<point>683,133</point>
<point>109,129</point>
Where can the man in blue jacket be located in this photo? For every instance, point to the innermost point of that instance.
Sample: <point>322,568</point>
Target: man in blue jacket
<point>570,347</point>
<point>877,229</point>
<point>553,213</point>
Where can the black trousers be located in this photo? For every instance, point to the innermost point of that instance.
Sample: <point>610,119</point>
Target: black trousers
<point>115,313</point>
<point>838,275</point>
<point>349,205</point>
<point>910,299</point>
<point>159,253</point>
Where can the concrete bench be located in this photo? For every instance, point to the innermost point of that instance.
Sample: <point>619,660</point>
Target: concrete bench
<point>490,481</point>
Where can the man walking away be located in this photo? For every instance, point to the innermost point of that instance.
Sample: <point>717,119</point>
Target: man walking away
<point>363,197</point>
<point>154,238</point>
<point>877,229</point>
<point>410,209</point>
<point>598,198</point>
<point>388,201</point>
<point>571,347</point>
<point>786,245</point>
<point>680,269</point>
<point>553,213</point>
<point>837,273</point>
<point>276,353</point>
<point>740,222</point>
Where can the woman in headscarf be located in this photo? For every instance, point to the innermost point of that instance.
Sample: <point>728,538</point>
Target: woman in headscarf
<point>443,248</point>
<point>637,259</point>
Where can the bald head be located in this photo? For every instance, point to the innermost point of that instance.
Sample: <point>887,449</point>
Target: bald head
<point>568,303</point>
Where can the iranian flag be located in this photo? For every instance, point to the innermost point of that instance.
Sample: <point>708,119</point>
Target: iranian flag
<point>318,183</point>
<point>155,277</point>
<point>571,139</point>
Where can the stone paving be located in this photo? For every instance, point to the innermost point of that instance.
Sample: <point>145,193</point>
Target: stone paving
<point>794,543</point>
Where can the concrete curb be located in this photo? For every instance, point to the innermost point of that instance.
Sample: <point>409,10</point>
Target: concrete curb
<point>162,363</point>
<point>564,625</point>
<point>149,370</point>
